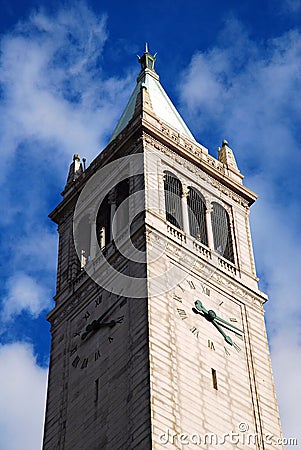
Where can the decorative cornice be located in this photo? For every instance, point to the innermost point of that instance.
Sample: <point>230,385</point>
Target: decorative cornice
<point>196,171</point>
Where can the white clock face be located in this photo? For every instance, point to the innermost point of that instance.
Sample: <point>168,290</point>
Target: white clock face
<point>211,319</point>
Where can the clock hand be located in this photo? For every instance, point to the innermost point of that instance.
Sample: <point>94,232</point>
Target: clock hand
<point>109,310</point>
<point>211,315</point>
<point>227,338</point>
<point>199,307</point>
<point>96,324</point>
<point>229,325</point>
<point>214,319</point>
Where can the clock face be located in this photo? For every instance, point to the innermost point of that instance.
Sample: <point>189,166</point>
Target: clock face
<point>212,320</point>
<point>94,329</point>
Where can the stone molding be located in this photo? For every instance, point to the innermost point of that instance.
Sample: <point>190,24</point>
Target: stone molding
<point>201,263</point>
<point>196,171</point>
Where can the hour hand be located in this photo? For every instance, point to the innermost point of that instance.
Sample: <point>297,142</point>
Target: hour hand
<point>199,308</point>
<point>227,338</point>
<point>96,325</point>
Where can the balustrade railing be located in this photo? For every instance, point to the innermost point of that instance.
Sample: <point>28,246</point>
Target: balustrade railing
<point>176,233</point>
<point>202,250</point>
<point>227,265</point>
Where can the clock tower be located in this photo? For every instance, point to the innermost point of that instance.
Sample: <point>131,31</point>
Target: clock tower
<point>158,333</point>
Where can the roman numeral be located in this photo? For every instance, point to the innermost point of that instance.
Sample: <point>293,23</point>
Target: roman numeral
<point>205,290</point>
<point>98,301</point>
<point>191,284</point>
<point>77,333</point>
<point>226,351</point>
<point>195,332</point>
<point>177,298</point>
<point>76,361</point>
<point>211,345</point>
<point>182,313</point>
<point>96,355</point>
<point>84,363</point>
<point>236,347</point>
<point>87,315</point>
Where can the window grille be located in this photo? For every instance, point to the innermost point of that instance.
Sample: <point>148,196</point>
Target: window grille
<point>222,231</point>
<point>197,216</point>
<point>173,200</point>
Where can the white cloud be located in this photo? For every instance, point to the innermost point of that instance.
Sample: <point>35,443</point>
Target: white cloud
<point>278,250</point>
<point>287,361</point>
<point>24,294</point>
<point>291,6</point>
<point>248,93</point>
<point>38,248</point>
<point>54,89</point>
<point>56,100</point>
<point>22,398</point>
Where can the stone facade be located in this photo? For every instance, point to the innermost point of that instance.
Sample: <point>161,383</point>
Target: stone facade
<point>154,372</point>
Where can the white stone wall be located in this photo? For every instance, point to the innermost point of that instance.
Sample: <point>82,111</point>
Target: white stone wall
<point>183,398</point>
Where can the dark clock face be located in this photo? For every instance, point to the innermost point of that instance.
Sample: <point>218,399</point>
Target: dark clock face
<point>213,321</point>
<point>94,329</point>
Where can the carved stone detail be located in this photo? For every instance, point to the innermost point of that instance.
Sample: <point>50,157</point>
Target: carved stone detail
<point>214,274</point>
<point>199,174</point>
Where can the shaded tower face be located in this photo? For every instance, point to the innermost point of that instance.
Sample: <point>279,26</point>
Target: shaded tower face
<point>158,335</point>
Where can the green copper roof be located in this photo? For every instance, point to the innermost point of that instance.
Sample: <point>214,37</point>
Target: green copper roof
<point>161,103</point>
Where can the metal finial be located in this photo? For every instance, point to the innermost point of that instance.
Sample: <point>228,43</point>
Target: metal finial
<point>147,60</point>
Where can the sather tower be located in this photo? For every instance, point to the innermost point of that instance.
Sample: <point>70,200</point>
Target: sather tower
<point>158,334</point>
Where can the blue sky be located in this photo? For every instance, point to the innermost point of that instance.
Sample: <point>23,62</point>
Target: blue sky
<point>66,72</point>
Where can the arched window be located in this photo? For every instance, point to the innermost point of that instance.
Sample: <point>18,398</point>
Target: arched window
<point>197,216</point>
<point>83,234</point>
<point>103,222</point>
<point>173,199</point>
<point>222,231</point>
<point>106,212</point>
<point>122,193</point>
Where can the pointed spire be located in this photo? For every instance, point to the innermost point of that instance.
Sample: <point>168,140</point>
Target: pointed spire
<point>147,60</point>
<point>76,169</point>
<point>226,157</point>
<point>150,94</point>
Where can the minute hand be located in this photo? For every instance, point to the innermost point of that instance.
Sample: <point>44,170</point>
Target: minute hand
<point>211,315</point>
<point>227,338</point>
<point>229,325</point>
<point>108,310</point>
<point>95,324</point>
